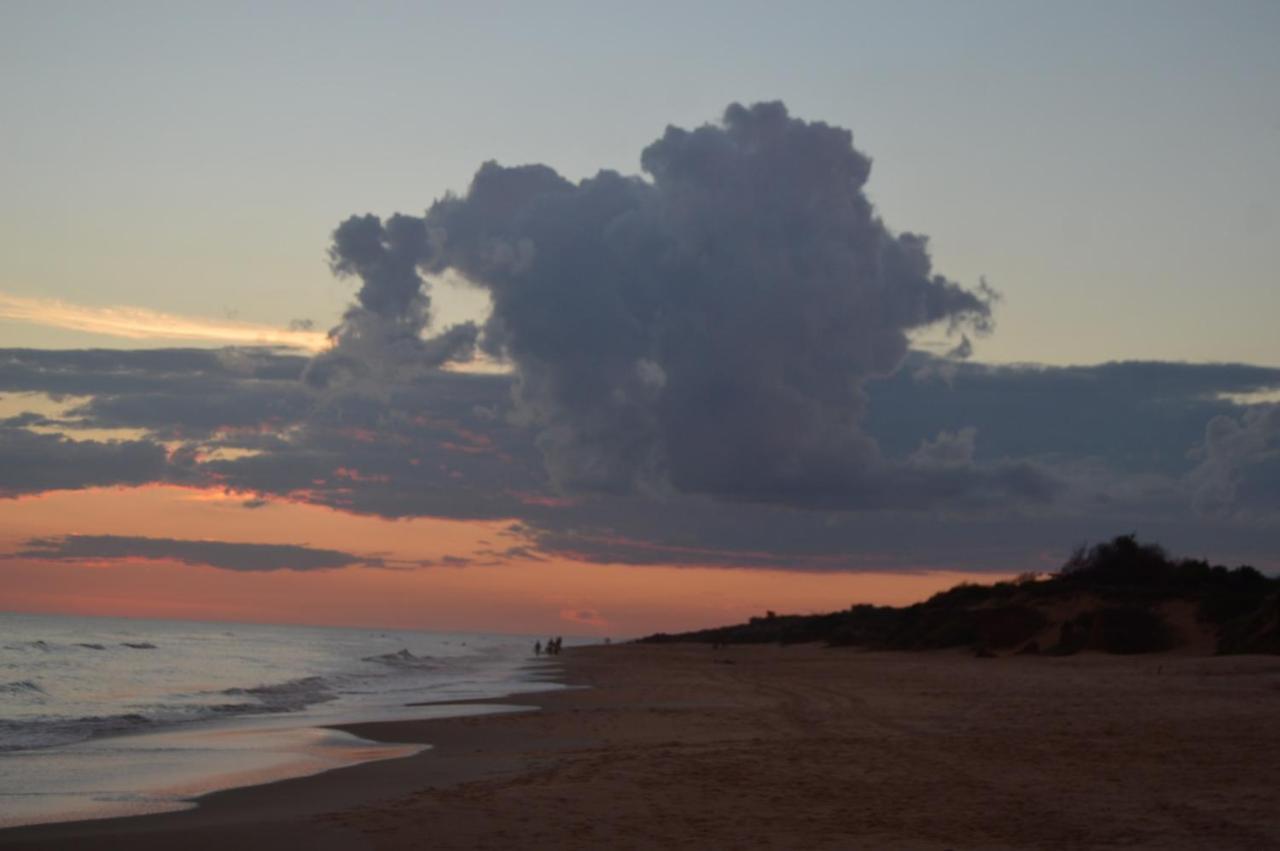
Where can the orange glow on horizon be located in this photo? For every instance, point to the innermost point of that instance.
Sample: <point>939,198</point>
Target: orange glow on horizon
<point>558,594</point>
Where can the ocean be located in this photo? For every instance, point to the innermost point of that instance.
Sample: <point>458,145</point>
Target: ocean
<point>103,717</point>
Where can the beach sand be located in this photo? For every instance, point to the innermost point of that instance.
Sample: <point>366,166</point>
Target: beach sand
<point>683,746</point>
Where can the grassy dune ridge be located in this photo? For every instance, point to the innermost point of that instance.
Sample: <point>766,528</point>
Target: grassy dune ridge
<point>1122,596</point>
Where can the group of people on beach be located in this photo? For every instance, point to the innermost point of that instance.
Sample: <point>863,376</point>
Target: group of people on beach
<point>553,646</point>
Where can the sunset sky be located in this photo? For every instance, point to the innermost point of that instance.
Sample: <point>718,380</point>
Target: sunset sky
<point>609,319</point>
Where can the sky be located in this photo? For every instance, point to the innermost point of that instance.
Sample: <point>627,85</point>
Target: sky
<point>679,354</point>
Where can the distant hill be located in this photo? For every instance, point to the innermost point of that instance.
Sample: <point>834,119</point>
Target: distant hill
<point>1122,596</point>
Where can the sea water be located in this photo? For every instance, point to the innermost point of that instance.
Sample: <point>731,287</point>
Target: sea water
<point>104,717</point>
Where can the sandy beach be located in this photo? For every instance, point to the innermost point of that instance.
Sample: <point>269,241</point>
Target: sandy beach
<point>684,746</point>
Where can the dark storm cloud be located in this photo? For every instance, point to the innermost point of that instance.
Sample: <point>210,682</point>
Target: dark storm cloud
<point>708,329</point>
<point>1121,438</point>
<point>381,337</point>
<point>433,444</point>
<point>1133,417</point>
<point>31,462</point>
<point>221,554</point>
<point>443,444</point>
<point>172,392</point>
<point>700,531</point>
<point>186,410</point>
<point>1125,440</point>
<point>385,257</point>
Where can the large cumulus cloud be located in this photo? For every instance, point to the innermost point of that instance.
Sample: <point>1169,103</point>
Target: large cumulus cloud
<point>697,353</point>
<point>706,329</point>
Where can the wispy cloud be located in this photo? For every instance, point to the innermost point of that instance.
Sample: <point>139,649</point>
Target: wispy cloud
<point>137,323</point>
<point>226,555</point>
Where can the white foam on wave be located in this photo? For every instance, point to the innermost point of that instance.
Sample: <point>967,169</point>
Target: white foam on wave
<point>109,715</point>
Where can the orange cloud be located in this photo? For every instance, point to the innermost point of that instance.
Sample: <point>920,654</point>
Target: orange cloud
<point>137,323</point>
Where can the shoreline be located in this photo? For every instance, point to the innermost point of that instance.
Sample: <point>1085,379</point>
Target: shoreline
<point>292,798</point>
<point>172,768</point>
<point>686,746</point>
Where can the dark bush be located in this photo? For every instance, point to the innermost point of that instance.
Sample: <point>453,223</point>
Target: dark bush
<point>933,628</point>
<point>1115,629</point>
<point>1008,626</point>
<point>1257,631</point>
<point>1132,629</point>
<point>1120,561</point>
<point>1073,636</point>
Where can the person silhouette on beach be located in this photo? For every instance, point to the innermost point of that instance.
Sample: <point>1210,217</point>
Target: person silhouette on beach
<point>537,648</point>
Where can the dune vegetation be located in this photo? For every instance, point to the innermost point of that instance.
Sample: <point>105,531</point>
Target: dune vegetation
<point>1121,596</point>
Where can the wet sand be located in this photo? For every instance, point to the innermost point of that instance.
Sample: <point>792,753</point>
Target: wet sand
<point>800,747</point>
